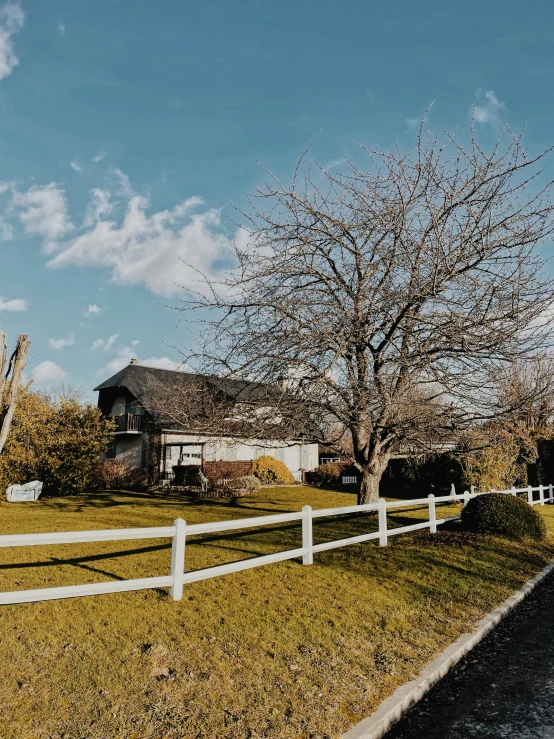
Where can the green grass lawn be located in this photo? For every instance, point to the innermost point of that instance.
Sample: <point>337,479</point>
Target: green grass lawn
<point>283,651</point>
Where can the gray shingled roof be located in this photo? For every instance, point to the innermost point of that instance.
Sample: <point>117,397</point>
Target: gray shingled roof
<point>146,384</point>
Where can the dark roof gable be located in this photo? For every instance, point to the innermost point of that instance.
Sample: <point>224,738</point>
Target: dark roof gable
<point>146,384</point>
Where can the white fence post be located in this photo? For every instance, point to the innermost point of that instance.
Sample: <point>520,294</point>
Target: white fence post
<point>432,515</point>
<point>382,522</point>
<point>466,497</point>
<point>178,559</point>
<point>530,495</point>
<point>541,494</point>
<point>472,489</point>
<point>307,535</point>
<point>551,493</point>
<point>514,492</point>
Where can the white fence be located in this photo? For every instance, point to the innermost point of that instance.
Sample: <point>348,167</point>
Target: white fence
<point>180,531</point>
<point>349,479</point>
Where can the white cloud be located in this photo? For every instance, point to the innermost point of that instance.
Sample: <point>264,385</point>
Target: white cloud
<point>100,205</point>
<point>126,353</point>
<point>124,356</point>
<point>489,110</point>
<point>17,305</point>
<point>160,250</point>
<point>93,310</point>
<point>110,342</point>
<point>61,29</point>
<point>43,211</point>
<point>46,372</point>
<point>61,343</point>
<point>413,123</point>
<point>97,344</point>
<point>12,20</point>
<point>163,250</point>
<point>332,163</point>
<point>125,189</point>
<point>6,230</point>
<point>76,165</point>
<point>98,157</point>
<point>164,363</point>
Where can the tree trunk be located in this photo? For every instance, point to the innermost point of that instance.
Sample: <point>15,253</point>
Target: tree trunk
<point>369,487</point>
<point>11,384</point>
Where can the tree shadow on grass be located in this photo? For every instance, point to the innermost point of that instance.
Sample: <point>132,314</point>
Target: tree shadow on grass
<point>119,498</point>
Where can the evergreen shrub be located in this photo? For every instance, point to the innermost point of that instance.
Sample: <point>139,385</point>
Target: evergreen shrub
<point>503,514</point>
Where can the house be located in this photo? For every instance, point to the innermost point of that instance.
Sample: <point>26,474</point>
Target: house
<point>148,436</point>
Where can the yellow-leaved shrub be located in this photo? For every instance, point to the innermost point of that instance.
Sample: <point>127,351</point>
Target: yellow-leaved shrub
<point>271,471</point>
<point>55,441</point>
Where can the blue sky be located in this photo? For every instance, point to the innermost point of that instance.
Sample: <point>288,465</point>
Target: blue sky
<point>129,128</point>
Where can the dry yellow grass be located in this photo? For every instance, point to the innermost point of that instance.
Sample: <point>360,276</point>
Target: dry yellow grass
<point>283,651</point>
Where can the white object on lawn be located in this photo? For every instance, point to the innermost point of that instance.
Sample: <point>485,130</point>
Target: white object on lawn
<point>24,493</point>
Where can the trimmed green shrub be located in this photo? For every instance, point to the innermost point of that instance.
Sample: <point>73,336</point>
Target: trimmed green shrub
<point>506,515</point>
<point>271,471</point>
<point>325,474</point>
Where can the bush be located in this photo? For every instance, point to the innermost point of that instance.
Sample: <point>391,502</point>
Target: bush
<point>439,471</point>
<point>188,475</point>
<point>55,441</point>
<point>243,486</point>
<point>506,515</point>
<point>271,471</point>
<point>137,479</point>
<point>110,474</point>
<point>325,474</point>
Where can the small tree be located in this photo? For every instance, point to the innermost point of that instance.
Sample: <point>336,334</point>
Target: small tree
<point>10,381</point>
<point>501,451</point>
<point>56,441</point>
<point>390,296</point>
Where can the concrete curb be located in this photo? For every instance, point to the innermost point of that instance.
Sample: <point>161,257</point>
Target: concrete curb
<point>393,708</point>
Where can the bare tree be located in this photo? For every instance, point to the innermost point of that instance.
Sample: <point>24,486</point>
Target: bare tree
<point>526,394</point>
<point>10,381</point>
<point>391,296</point>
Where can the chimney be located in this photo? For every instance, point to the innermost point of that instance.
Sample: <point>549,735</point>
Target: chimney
<point>134,361</point>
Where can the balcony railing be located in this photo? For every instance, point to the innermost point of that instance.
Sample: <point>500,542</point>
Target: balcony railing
<point>129,423</point>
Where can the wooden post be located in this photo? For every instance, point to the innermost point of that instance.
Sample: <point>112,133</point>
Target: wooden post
<point>432,514</point>
<point>513,492</point>
<point>466,497</point>
<point>307,535</point>
<point>178,559</point>
<point>541,494</point>
<point>551,493</point>
<point>382,522</point>
<point>530,495</point>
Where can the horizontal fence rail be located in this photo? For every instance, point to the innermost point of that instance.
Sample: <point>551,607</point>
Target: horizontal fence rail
<point>180,531</point>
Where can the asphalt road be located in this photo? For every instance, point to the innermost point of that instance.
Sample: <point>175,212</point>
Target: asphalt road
<point>502,688</point>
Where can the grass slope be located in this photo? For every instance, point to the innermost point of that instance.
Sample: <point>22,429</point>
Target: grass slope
<point>283,651</point>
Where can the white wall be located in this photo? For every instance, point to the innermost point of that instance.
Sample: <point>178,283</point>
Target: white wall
<point>129,450</point>
<point>295,456</point>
